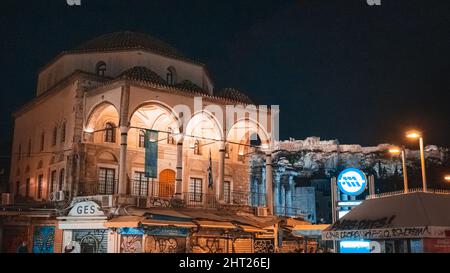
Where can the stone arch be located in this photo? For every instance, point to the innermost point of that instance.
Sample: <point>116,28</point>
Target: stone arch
<point>152,115</point>
<point>96,112</point>
<point>242,130</point>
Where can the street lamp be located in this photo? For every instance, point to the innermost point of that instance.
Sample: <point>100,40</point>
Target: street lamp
<point>396,151</point>
<point>447,178</point>
<point>418,135</point>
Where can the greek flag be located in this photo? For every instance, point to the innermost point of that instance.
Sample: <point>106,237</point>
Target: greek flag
<point>151,153</point>
<point>210,175</point>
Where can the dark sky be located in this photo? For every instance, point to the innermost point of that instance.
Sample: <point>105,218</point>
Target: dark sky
<point>338,69</point>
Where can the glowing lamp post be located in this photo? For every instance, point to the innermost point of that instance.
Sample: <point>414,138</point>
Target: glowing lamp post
<point>418,135</point>
<point>396,151</point>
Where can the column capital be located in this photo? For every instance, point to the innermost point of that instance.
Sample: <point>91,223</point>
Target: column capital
<point>124,128</point>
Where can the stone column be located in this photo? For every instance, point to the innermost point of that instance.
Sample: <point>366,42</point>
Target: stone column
<point>283,199</point>
<point>269,182</point>
<point>124,126</point>
<point>179,175</point>
<point>277,192</point>
<point>290,194</point>
<point>220,181</point>
<point>123,160</point>
<point>263,188</point>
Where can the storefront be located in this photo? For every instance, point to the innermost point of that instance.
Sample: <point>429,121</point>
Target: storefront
<point>30,231</point>
<point>84,229</point>
<point>408,223</point>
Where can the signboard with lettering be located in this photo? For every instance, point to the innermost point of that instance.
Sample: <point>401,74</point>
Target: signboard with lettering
<point>86,208</point>
<point>352,181</point>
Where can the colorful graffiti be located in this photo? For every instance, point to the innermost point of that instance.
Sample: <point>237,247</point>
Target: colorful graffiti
<point>263,246</point>
<point>43,239</point>
<point>91,241</point>
<point>156,244</point>
<point>131,244</point>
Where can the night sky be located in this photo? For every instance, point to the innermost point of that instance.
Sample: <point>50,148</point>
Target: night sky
<point>338,69</point>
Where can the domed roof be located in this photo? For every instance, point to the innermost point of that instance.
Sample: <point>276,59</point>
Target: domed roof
<point>234,94</point>
<point>146,75</point>
<point>141,73</point>
<point>126,40</point>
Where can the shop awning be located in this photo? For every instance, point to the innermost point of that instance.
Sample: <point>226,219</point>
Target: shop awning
<point>403,216</point>
<point>308,230</point>
<point>124,221</point>
<point>215,224</point>
<point>248,228</point>
<point>163,223</point>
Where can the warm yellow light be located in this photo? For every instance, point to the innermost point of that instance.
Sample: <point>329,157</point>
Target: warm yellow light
<point>89,130</point>
<point>394,150</point>
<point>447,178</point>
<point>241,153</point>
<point>413,134</point>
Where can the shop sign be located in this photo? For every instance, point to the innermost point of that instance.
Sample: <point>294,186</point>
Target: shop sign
<point>86,208</point>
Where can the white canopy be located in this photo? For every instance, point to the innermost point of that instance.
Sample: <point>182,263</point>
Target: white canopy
<point>412,215</point>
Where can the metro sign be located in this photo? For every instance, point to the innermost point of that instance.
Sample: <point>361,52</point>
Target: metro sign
<point>352,181</point>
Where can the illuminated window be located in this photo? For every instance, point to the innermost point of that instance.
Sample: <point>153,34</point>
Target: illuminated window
<point>39,186</point>
<point>140,184</point>
<point>170,138</point>
<point>197,150</point>
<point>110,135</point>
<point>195,190</point>
<point>100,68</point>
<point>142,139</point>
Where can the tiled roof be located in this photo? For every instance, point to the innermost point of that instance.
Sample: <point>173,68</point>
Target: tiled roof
<point>234,94</point>
<point>188,85</point>
<point>144,74</point>
<point>141,73</point>
<point>124,40</point>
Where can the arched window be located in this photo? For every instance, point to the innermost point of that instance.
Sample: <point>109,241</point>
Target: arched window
<point>55,135</point>
<point>171,76</point>
<point>100,68</point>
<point>110,135</point>
<point>170,138</point>
<point>197,147</point>
<point>63,133</point>
<point>62,175</point>
<point>142,139</point>
<point>42,141</point>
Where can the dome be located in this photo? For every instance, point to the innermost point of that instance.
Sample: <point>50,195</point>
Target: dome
<point>126,40</point>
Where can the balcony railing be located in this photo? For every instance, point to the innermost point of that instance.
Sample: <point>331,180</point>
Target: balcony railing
<point>155,189</point>
<point>191,199</point>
